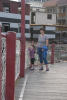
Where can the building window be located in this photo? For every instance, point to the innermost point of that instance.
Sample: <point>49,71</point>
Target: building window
<point>5,27</point>
<point>6,9</point>
<point>49,10</point>
<point>19,10</point>
<point>62,9</point>
<point>49,16</point>
<point>33,18</point>
<point>54,11</point>
<point>62,22</point>
<point>27,21</point>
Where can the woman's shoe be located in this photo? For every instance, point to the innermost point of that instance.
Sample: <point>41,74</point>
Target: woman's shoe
<point>47,69</point>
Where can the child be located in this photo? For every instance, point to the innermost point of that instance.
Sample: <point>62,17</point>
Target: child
<point>32,55</point>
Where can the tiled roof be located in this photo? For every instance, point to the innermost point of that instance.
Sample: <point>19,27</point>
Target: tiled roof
<point>62,2</point>
<point>50,3</point>
<point>54,3</point>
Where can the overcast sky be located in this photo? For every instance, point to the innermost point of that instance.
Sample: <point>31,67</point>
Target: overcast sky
<point>14,0</point>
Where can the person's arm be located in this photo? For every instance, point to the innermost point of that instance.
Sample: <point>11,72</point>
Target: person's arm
<point>47,42</point>
<point>38,41</point>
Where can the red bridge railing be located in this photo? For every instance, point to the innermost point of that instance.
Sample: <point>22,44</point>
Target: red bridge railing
<point>12,61</point>
<point>0,68</point>
<point>10,50</point>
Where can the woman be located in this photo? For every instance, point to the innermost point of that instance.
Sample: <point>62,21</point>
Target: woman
<point>42,41</point>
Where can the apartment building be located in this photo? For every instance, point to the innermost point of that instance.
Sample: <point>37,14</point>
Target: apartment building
<point>59,8</point>
<point>38,13</point>
<point>28,1</point>
<point>10,17</point>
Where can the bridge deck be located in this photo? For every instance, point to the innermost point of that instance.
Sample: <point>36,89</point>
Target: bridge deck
<point>42,85</point>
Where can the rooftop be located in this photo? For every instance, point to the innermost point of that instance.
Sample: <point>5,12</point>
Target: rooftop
<point>54,3</point>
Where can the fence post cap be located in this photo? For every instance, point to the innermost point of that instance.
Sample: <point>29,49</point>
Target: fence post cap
<point>11,32</point>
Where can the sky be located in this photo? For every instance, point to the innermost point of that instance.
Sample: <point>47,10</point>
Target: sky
<point>14,0</point>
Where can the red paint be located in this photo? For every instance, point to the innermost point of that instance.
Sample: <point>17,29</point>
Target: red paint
<point>10,65</point>
<point>27,9</point>
<point>52,53</point>
<point>22,56</point>
<point>1,6</point>
<point>14,7</point>
<point>0,66</point>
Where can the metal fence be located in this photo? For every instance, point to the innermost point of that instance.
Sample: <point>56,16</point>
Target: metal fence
<point>17,65</point>
<point>27,57</point>
<point>3,67</point>
<point>61,52</point>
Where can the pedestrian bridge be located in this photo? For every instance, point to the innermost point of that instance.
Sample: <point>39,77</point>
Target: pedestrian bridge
<point>42,85</point>
<point>36,85</point>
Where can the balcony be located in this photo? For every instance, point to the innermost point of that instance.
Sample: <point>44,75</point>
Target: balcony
<point>61,14</point>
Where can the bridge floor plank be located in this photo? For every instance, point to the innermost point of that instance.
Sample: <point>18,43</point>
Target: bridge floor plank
<point>42,85</point>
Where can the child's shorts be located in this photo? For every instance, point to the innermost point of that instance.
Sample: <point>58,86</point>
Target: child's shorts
<point>32,60</point>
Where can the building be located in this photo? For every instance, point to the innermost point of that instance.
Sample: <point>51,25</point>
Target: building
<point>27,1</point>
<point>59,8</point>
<point>44,18</point>
<point>38,13</point>
<point>62,12</point>
<point>52,13</point>
<point>10,17</point>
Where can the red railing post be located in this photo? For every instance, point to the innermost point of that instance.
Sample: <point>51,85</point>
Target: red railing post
<point>10,65</point>
<point>22,56</point>
<point>52,53</point>
<point>0,66</point>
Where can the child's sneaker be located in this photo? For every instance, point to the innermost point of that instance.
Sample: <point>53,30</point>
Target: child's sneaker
<point>41,68</point>
<point>32,68</point>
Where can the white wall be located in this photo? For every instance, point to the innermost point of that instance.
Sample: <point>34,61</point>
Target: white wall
<point>13,16</point>
<point>41,18</point>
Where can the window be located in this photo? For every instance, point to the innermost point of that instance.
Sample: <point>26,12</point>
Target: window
<point>63,9</point>
<point>61,21</point>
<point>5,27</point>
<point>54,11</point>
<point>6,7</point>
<point>33,18</point>
<point>49,10</point>
<point>49,16</point>
<point>19,10</point>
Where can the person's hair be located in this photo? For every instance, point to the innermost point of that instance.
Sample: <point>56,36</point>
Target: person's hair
<point>42,29</point>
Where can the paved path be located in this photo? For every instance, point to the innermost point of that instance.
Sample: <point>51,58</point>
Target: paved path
<point>42,85</point>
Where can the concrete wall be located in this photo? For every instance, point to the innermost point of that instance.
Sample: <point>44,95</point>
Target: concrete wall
<point>41,18</point>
